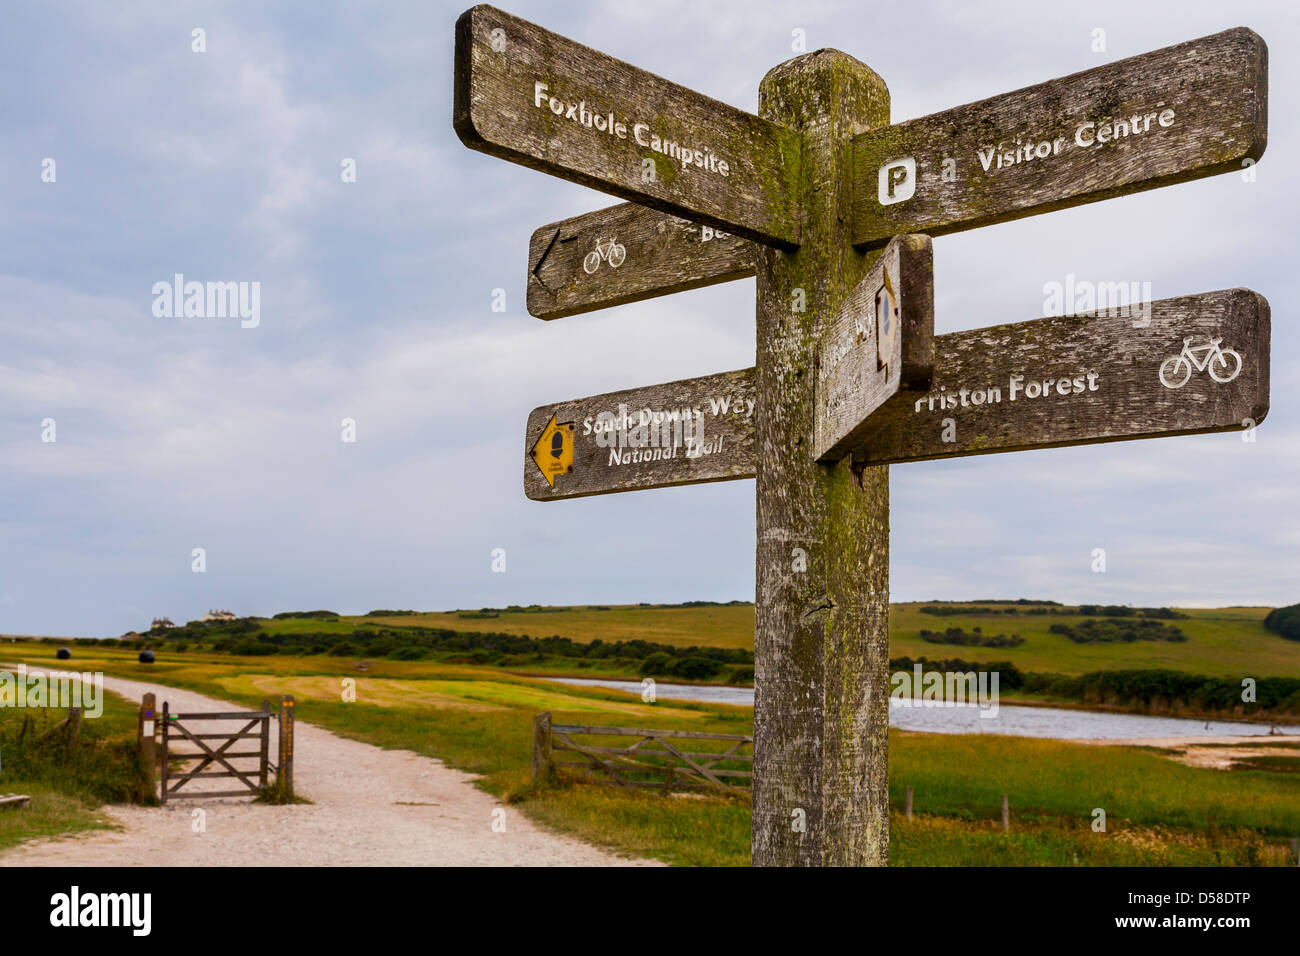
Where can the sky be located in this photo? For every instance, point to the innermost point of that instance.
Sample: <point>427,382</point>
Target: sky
<point>173,434</point>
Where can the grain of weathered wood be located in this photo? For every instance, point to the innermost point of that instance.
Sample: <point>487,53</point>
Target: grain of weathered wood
<point>1200,107</point>
<point>1104,377</point>
<point>679,433</point>
<point>737,168</point>
<point>821,640</point>
<point>879,348</point>
<point>627,253</point>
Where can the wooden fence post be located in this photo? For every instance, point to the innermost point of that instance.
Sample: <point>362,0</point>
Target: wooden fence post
<point>165,784</point>
<point>907,805</point>
<point>543,768</point>
<point>1006,815</point>
<point>266,743</point>
<point>73,729</point>
<point>821,639</point>
<point>148,750</point>
<point>284,770</point>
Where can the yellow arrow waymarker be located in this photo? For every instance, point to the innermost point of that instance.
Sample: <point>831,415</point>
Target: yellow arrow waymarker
<point>553,451</point>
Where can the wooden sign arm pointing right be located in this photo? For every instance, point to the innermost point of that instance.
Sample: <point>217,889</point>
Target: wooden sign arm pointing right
<point>1185,112</point>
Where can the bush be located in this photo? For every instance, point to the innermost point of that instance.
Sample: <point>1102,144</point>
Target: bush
<point>408,653</point>
<point>1285,621</point>
<point>345,649</point>
<point>955,635</point>
<point>253,649</point>
<point>696,668</point>
<point>1107,630</point>
<point>656,664</point>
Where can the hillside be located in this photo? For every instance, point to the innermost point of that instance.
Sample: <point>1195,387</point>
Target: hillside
<point>1221,642</point>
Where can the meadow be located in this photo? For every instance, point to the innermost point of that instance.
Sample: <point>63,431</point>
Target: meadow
<point>1221,642</point>
<point>67,779</point>
<point>1159,812</point>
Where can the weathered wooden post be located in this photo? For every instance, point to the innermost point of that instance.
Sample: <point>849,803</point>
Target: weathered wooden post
<point>1006,815</point>
<point>284,766</point>
<point>543,768</point>
<point>165,762</point>
<point>907,805</point>
<point>821,643</point>
<point>265,748</point>
<point>72,730</point>
<point>148,750</point>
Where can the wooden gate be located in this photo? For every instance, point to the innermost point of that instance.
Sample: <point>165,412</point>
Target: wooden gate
<point>215,751</point>
<point>652,759</point>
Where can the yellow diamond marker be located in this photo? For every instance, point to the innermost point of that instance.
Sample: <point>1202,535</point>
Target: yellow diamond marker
<point>554,450</point>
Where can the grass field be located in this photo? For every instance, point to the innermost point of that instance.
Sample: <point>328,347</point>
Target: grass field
<point>67,783</point>
<point>479,719</point>
<point>1221,642</point>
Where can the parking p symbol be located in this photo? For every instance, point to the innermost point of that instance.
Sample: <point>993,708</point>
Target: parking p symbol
<point>897,181</point>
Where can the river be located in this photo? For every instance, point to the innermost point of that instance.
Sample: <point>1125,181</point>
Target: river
<point>1008,719</point>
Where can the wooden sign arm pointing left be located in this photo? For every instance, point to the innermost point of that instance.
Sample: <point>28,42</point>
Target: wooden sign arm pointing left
<point>624,254</point>
<point>535,98</point>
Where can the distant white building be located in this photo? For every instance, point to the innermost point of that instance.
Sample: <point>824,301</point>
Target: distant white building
<point>219,616</point>
<point>161,622</point>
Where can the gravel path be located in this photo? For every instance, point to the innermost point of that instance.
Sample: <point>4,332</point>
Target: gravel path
<point>371,807</point>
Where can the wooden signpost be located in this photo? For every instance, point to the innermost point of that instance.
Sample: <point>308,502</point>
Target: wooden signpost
<point>849,377</point>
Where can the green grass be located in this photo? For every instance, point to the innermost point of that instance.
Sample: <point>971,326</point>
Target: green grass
<point>67,783</point>
<point>480,720</point>
<point>1221,642</point>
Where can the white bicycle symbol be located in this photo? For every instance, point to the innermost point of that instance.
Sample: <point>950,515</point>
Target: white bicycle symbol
<point>1223,364</point>
<point>607,249</point>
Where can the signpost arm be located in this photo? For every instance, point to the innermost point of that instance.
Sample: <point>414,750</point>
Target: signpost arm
<point>821,639</point>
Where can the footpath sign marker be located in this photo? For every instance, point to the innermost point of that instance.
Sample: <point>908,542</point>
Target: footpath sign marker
<point>1184,112</point>
<point>624,254</point>
<point>679,433</point>
<point>829,206</point>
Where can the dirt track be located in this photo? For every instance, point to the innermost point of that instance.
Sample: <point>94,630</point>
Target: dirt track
<point>371,807</point>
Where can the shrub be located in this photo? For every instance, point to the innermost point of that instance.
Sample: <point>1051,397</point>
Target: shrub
<point>656,664</point>
<point>696,668</point>
<point>253,648</point>
<point>1285,621</point>
<point>345,649</point>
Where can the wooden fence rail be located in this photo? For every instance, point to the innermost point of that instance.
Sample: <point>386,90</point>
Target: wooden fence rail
<point>653,759</point>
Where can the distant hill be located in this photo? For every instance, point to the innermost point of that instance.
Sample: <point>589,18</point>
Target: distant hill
<point>1037,636</point>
